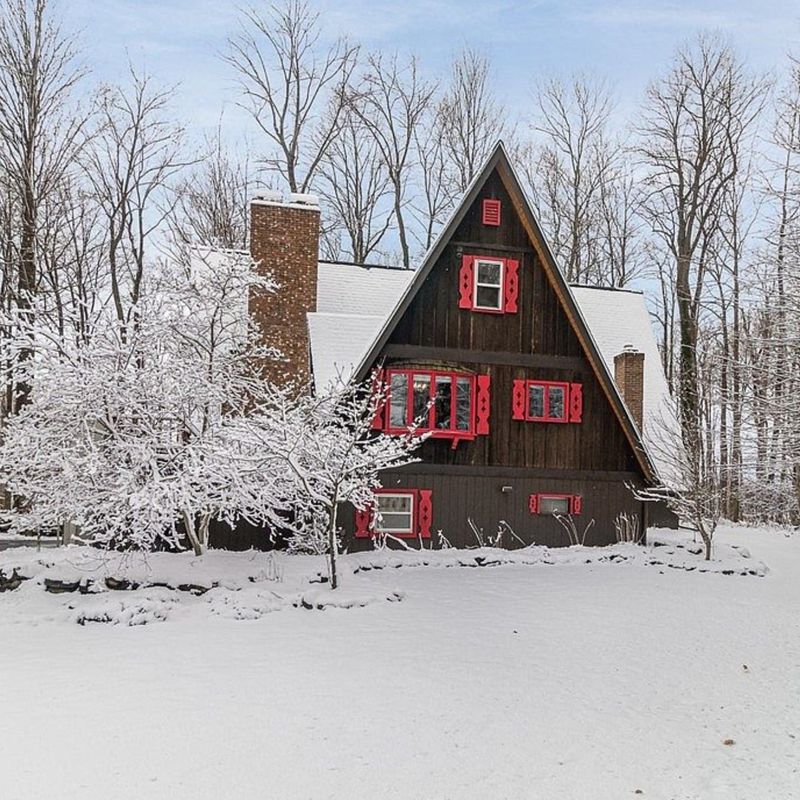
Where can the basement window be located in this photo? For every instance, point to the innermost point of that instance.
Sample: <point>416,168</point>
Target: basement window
<point>394,513</point>
<point>488,294</point>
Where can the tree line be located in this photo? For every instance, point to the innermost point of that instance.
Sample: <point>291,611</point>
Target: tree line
<point>695,198</point>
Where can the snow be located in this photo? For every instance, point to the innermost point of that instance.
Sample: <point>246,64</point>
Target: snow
<point>357,290</point>
<point>561,673</point>
<point>617,318</point>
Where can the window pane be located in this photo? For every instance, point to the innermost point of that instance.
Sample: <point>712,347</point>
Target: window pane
<point>536,401</point>
<point>444,396</point>
<point>487,297</point>
<point>394,512</point>
<point>489,272</point>
<point>554,505</point>
<point>463,403</point>
<point>556,399</point>
<point>398,405</point>
<point>422,397</point>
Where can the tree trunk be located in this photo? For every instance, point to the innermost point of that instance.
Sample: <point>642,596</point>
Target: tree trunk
<point>333,548</point>
<point>191,533</point>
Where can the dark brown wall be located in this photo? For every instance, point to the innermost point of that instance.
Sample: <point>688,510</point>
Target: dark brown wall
<point>537,342</point>
<point>461,494</point>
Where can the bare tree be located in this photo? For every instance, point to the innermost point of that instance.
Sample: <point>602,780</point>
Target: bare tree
<point>471,119</point>
<point>570,167</point>
<point>134,154</point>
<point>693,128</point>
<point>390,101</point>
<point>40,133</point>
<point>355,186</point>
<point>211,205</point>
<point>291,87</point>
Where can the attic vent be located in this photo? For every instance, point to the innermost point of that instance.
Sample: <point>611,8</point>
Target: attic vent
<point>491,212</point>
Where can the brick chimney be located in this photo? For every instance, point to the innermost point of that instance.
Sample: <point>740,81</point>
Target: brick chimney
<point>284,242</point>
<point>629,376</point>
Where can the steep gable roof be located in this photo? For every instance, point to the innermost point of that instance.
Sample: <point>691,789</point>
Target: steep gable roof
<point>499,161</point>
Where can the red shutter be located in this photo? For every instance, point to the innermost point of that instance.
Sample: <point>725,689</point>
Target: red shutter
<point>518,400</point>
<point>576,402</point>
<point>465,282</point>
<point>575,504</point>
<point>533,504</point>
<point>483,405</point>
<point>363,523</point>
<point>424,514</point>
<point>511,286</point>
<point>378,386</point>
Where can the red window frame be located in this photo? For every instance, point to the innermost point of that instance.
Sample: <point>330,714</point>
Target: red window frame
<point>547,385</point>
<point>443,433</point>
<point>574,502</point>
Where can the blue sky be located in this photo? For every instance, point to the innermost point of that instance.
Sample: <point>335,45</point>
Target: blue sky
<point>179,41</point>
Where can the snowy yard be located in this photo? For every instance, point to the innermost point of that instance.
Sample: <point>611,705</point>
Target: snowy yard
<point>548,677</point>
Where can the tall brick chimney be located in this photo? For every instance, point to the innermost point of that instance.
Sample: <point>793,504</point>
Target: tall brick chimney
<point>284,242</point>
<point>629,377</point>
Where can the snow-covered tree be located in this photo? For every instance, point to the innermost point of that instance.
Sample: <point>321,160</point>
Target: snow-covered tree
<point>125,432</point>
<point>327,446</point>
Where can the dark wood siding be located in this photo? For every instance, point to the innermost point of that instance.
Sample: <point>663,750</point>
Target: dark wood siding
<point>458,496</point>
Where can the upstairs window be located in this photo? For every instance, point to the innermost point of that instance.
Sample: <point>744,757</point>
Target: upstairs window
<point>451,405</point>
<point>488,284</point>
<point>441,402</point>
<point>547,401</point>
<point>488,295</point>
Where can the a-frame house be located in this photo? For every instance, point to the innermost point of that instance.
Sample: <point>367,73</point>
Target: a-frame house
<point>486,344</point>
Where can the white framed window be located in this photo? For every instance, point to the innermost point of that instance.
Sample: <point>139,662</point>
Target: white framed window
<point>488,291</point>
<point>394,513</point>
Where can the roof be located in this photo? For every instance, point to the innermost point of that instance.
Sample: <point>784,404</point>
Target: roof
<point>617,318</point>
<point>369,298</point>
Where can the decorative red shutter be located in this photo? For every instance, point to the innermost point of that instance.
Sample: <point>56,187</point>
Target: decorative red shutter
<point>576,402</point>
<point>424,514</point>
<point>512,286</point>
<point>533,504</point>
<point>491,212</point>
<point>518,400</point>
<point>575,504</point>
<point>363,522</point>
<point>379,386</point>
<point>483,405</point>
<point>465,282</point>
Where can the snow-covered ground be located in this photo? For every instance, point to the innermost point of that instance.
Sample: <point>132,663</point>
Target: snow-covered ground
<point>559,674</point>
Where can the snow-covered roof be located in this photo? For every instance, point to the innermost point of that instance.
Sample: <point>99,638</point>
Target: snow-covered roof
<point>352,289</point>
<point>353,302</point>
<point>618,318</point>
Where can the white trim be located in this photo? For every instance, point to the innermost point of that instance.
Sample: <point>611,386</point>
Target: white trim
<point>399,531</point>
<point>475,283</point>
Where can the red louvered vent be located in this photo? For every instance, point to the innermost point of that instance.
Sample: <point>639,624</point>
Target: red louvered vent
<point>491,212</point>
<point>425,514</point>
<point>465,282</point>
<point>512,286</point>
<point>576,402</point>
<point>483,405</point>
<point>518,400</point>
